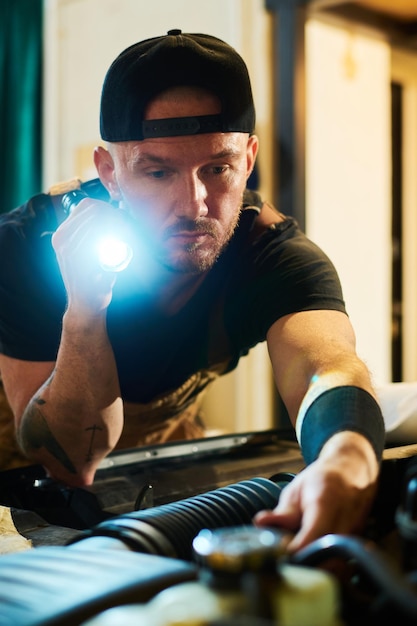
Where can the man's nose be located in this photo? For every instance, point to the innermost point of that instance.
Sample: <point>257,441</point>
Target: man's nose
<point>192,196</point>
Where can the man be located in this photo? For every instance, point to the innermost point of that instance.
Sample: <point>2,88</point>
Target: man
<point>103,359</point>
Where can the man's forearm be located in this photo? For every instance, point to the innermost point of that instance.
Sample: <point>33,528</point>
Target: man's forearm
<point>76,417</point>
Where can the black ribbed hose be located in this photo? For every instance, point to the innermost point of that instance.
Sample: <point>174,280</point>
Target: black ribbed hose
<point>169,529</point>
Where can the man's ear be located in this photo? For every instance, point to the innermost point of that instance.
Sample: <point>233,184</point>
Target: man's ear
<point>105,168</point>
<point>251,152</point>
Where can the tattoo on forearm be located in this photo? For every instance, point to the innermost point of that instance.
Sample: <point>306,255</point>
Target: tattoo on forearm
<point>35,434</point>
<point>93,429</point>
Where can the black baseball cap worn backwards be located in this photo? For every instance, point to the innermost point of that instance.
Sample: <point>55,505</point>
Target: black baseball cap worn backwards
<point>149,67</point>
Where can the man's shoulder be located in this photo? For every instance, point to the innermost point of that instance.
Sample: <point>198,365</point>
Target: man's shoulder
<point>39,212</point>
<point>25,232</point>
<point>260,217</point>
<point>251,198</point>
<point>20,217</point>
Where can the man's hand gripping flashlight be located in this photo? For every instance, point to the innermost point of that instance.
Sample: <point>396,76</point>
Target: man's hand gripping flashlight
<point>114,253</point>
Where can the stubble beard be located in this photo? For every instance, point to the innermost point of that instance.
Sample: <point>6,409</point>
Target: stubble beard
<point>196,259</point>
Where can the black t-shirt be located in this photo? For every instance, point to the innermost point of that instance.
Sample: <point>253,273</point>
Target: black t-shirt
<point>256,280</point>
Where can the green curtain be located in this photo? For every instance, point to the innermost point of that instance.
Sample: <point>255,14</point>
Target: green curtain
<point>20,100</point>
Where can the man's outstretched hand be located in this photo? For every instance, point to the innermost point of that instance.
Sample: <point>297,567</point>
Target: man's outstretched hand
<point>332,495</point>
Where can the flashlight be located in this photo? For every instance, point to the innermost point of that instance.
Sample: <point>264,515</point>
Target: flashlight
<point>113,252</point>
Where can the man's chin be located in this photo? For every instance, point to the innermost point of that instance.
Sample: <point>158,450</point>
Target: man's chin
<point>192,263</point>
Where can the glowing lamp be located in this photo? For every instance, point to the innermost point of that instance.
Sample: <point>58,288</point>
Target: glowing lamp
<point>113,252</point>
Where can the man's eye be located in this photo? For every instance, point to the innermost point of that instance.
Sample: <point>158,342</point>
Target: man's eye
<point>219,169</point>
<point>157,174</point>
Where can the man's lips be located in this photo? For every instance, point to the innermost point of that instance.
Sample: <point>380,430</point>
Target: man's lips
<point>189,232</point>
<point>187,236</point>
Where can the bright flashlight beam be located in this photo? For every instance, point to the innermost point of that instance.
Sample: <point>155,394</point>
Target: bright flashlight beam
<point>114,254</point>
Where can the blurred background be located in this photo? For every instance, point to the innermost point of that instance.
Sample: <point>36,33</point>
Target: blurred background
<point>335,86</point>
